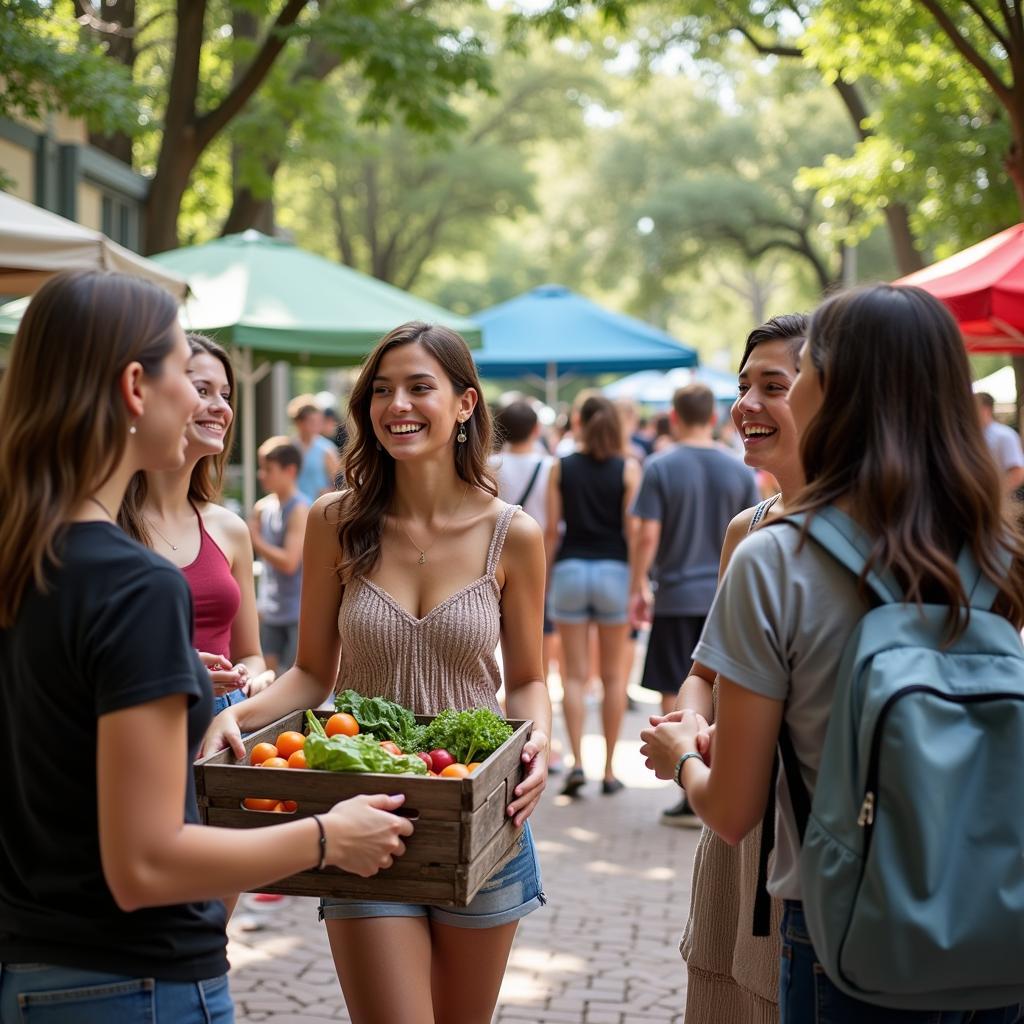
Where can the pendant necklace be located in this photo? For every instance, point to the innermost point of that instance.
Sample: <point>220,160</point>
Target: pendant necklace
<point>149,523</point>
<point>422,560</point>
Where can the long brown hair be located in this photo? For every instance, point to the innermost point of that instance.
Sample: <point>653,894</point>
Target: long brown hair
<point>898,435</point>
<point>63,427</point>
<point>370,472</point>
<point>207,480</point>
<point>600,427</point>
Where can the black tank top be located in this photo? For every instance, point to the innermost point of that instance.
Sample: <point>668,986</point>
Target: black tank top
<point>592,494</point>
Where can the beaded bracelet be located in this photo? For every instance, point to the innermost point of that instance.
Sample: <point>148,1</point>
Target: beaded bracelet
<point>323,842</point>
<point>679,765</point>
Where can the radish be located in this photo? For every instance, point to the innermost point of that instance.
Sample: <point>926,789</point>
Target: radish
<point>440,759</point>
<point>426,760</point>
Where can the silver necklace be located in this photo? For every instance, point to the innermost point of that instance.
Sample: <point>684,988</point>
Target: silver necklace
<point>150,524</point>
<point>422,560</point>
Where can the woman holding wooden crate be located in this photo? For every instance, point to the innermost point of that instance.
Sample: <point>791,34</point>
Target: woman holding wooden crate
<point>109,889</point>
<point>411,577</point>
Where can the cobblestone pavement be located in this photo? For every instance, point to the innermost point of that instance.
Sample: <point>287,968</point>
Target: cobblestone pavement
<point>604,950</point>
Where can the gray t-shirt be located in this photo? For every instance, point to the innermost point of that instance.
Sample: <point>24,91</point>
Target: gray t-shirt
<point>1005,445</point>
<point>778,627</point>
<point>694,493</point>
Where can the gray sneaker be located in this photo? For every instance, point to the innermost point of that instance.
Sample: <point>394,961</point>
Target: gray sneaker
<point>681,816</point>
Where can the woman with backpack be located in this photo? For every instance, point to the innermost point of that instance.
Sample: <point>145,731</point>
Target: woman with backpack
<point>902,517</point>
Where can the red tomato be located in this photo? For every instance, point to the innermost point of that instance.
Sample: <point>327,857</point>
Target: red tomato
<point>391,748</point>
<point>288,742</point>
<point>256,803</point>
<point>261,752</point>
<point>274,762</point>
<point>441,759</point>
<point>341,723</point>
<point>297,760</point>
<point>289,806</point>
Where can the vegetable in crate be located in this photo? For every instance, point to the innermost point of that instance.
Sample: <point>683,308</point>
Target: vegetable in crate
<point>467,735</point>
<point>360,753</point>
<point>383,718</point>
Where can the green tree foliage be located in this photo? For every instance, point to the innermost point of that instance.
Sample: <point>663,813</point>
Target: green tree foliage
<point>46,68</point>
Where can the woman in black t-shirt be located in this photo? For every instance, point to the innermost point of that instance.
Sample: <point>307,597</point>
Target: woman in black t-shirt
<point>591,492</point>
<point>109,888</point>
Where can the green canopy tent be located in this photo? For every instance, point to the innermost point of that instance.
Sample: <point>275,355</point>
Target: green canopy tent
<point>267,300</point>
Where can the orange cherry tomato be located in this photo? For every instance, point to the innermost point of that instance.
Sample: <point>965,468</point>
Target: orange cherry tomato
<point>455,771</point>
<point>392,748</point>
<point>288,806</point>
<point>473,765</point>
<point>342,724</point>
<point>297,760</point>
<point>261,752</point>
<point>255,803</point>
<point>288,742</point>
<point>273,762</point>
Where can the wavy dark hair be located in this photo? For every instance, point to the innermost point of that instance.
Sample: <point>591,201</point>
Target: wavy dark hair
<point>790,327</point>
<point>370,472</point>
<point>63,425</point>
<point>898,435</point>
<point>207,480</point>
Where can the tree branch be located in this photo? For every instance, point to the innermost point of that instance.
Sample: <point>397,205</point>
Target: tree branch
<point>768,49</point>
<point>998,86</point>
<point>214,121</point>
<point>989,23</point>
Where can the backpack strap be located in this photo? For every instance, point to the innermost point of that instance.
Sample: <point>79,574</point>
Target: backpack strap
<point>981,591</point>
<point>800,801</point>
<point>844,540</point>
<point>529,486</point>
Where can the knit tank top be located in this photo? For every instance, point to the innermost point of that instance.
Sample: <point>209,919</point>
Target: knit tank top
<point>215,595</point>
<point>444,659</point>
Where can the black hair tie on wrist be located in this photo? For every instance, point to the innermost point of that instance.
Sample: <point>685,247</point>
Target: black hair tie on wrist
<point>323,842</point>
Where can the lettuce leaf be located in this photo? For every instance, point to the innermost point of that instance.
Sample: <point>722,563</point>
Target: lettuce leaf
<point>360,753</point>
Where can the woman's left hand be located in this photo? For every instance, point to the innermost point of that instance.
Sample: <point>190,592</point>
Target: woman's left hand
<point>527,793</point>
<point>665,743</point>
<point>259,682</point>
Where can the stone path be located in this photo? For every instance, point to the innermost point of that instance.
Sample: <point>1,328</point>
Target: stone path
<point>604,950</point>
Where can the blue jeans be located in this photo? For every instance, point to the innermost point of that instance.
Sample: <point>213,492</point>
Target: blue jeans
<point>44,994</point>
<point>806,996</point>
<point>589,590</point>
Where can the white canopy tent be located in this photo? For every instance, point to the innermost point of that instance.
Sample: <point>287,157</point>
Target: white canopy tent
<point>1001,385</point>
<point>36,244</point>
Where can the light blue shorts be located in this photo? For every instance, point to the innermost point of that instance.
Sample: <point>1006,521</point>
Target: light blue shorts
<point>508,895</point>
<point>590,590</point>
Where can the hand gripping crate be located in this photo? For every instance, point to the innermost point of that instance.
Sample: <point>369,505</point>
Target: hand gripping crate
<point>462,830</point>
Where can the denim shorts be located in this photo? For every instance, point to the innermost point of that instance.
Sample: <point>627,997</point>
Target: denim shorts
<point>508,895</point>
<point>219,704</point>
<point>590,590</point>
<point>44,994</point>
<point>806,996</point>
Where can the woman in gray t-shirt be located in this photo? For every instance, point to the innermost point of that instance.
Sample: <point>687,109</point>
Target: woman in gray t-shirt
<point>883,401</point>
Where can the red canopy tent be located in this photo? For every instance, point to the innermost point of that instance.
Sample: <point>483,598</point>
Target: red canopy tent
<point>983,287</point>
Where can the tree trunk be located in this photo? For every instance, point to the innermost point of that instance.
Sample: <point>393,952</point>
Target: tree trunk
<point>165,194</point>
<point>897,218</point>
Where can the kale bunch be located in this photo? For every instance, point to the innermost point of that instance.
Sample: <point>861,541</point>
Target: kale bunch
<point>467,735</point>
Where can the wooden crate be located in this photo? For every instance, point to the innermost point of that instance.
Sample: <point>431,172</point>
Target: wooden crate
<point>462,829</point>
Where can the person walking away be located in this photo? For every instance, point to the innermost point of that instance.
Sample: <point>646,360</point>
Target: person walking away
<point>687,498</point>
<point>1003,442</point>
<point>277,525</point>
<point>320,459</point>
<point>109,888</point>
<point>411,577</point>
<point>592,491</point>
<point>889,434</point>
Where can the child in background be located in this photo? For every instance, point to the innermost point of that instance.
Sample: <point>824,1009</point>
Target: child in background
<point>277,524</point>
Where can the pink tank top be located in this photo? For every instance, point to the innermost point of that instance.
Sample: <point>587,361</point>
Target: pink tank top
<point>215,596</point>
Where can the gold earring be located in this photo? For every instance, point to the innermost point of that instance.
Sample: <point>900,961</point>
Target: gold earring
<point>461,437</point>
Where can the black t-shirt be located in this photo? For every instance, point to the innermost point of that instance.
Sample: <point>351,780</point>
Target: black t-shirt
<point>112,631</point>
<point>592,496</point>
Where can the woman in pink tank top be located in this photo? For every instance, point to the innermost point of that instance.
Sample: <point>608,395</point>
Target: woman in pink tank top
<point>411,578</point>
<point>175,514</point>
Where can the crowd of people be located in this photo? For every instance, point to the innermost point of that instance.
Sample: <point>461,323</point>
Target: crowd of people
<point>399,551</point>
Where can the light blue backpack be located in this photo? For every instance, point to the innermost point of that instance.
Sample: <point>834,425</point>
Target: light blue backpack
<point>912,866</point>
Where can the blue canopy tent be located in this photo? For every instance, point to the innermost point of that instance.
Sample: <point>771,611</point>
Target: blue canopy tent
<point>551,334</point>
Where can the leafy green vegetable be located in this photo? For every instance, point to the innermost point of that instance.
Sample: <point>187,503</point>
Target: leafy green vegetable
<point>467,735</point>
<point>360,753</point>
<point>382,718</point>
<point>316,727</point>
